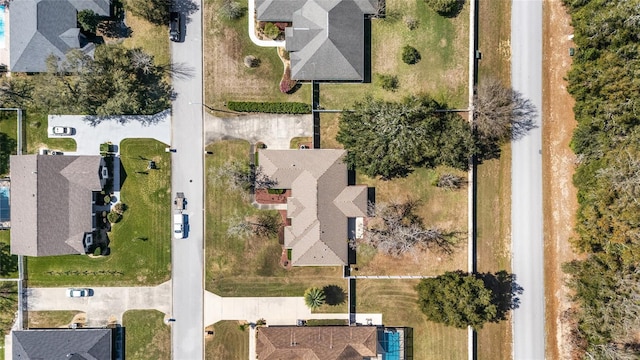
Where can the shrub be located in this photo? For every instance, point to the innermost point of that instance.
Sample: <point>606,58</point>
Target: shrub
<point>287,84</point>
<point>114,217</point>
<point>88,20</point>
<point>411,22</point>
<point>388,82</point>
<point>271,30</point>
<point>449,181</point>
<point>107,199</point>
<point>231,10</point>
<point>120,208</point>
<point>314,297</point>
<point>251,61</point>
<point>445,7</point>
<point>270,107</point>
<point>97,251</point>
<point>410,55</point>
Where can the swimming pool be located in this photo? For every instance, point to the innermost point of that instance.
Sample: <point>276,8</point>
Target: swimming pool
<point>2,12</point>
<point>391,345</point>
<point>5,213</point>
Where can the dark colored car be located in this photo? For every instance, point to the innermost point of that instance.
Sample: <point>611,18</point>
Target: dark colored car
<point>174,26</point>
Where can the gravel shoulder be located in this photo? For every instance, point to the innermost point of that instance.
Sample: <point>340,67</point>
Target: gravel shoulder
<point>560,201</point>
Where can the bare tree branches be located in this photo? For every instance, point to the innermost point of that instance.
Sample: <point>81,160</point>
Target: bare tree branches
<point>501,113</point>
<point>264,225</point>
<point>245,176</point>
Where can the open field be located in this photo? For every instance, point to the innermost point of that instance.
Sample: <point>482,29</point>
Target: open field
<point>147,336</point>
<point>494,176</point>
<point>229,342</point>
<point>397,301</point>
<point>140,244</point>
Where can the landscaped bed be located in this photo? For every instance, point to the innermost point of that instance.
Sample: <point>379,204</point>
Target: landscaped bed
<point>139,244</point>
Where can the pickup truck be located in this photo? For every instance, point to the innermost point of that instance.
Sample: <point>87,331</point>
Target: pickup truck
<point>180,203</point>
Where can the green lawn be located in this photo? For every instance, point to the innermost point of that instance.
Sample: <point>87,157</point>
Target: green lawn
<point>153,39</point>
<point>147,337</point>
<point>51,319</point>
<point>397,301</point>
<point>228,342</point>
<point>8,262</point>
<point>236,267</point>
<point>140,244</point>
<point>34,125</point>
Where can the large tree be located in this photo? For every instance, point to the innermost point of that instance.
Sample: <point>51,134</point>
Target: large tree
<point>458,299</point>
<point>389,139</point>
<point>114,82</point>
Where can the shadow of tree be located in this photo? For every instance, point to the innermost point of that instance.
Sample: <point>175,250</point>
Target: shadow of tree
<point>8,262</point>
<point>7,147</point>
<point>505,291</point>
<point>335,295</point>
<point>146,120</point>
<point>186,7</point>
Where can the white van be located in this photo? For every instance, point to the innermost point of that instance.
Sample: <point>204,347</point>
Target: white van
<point>178,226</point>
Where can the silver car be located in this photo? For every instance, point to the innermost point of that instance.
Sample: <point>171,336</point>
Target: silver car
<point>62,130</point>
<point>84,292</point>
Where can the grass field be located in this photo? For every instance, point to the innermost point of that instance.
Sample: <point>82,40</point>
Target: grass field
<point>153,39</point>
<point>140,244</point>
<point>494,176</point>
<point>228,342</point>
<point>51,319</point>
<point>147,337</point>
<point>397,301</point>
<point>8,262</point>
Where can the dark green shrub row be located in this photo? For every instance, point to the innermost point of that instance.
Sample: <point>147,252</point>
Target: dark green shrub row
<point>270,107</point>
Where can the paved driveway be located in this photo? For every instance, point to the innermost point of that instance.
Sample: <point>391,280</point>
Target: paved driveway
<point>274,130</point>
<point>88,137</point>
<point>105,302</point>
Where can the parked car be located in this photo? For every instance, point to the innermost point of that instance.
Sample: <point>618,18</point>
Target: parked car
<point>62,130</point>
<point>84,292</point>
<point>178,226</point>
<point>174,26</point>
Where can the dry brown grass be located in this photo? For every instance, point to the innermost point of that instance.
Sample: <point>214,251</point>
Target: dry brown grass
<point>559,194</point>
<point>53,319</point>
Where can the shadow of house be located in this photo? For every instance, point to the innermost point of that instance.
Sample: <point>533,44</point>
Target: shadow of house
<point>52,203</point>
<point>327,39</point>
<point>40,28</point>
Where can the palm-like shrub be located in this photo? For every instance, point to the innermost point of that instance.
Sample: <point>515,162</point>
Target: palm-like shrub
<point>314,297</point>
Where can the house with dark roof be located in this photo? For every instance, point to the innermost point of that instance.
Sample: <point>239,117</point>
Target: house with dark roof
<point>330,343</point>
<point>326,40</point>
<point>321,203</point>
<point>40,28</point>
<point>63,344</point>
<point>52,203</point>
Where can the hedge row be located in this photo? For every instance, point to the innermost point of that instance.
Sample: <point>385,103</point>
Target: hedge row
<point>270,107</point>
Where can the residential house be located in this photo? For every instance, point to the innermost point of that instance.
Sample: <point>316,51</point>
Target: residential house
<point>63,344</point>
<point>52,203</point>
<point>329,343</point>
<point>320,205</point>
<point>326,40</point>
<point>40,28</point>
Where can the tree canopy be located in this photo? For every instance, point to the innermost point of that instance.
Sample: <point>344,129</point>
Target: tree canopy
<point>604,82</point>
<point>154,11</point>
<point>458,299</point>
<point>117,81</point>
<point>389,139</point>
<point>447,8</point>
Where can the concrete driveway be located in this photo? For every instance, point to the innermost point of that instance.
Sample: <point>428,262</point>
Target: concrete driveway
<point>275,130</point>
<point>89,136</point>
<point>105,302</point>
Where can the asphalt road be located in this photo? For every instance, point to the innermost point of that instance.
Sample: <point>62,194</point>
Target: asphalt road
<point>187,176</point>
<point>526,188</point>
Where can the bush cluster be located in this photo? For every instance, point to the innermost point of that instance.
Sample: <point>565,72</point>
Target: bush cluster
<point>410,55</point>
<point>270,107</point>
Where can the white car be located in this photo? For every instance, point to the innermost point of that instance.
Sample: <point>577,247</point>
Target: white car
<point>178,226</point>
<point>62,130</point>
<point>79,292</point>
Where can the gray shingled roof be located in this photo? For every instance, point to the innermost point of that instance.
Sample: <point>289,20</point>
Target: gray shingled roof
<point>320,204</point>
<point>51,203</point>
<point>326,39</point>
<point>62,344</point>
<point>39,28</point>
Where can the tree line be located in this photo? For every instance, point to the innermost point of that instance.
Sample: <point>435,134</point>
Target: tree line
<point>604,82</point>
